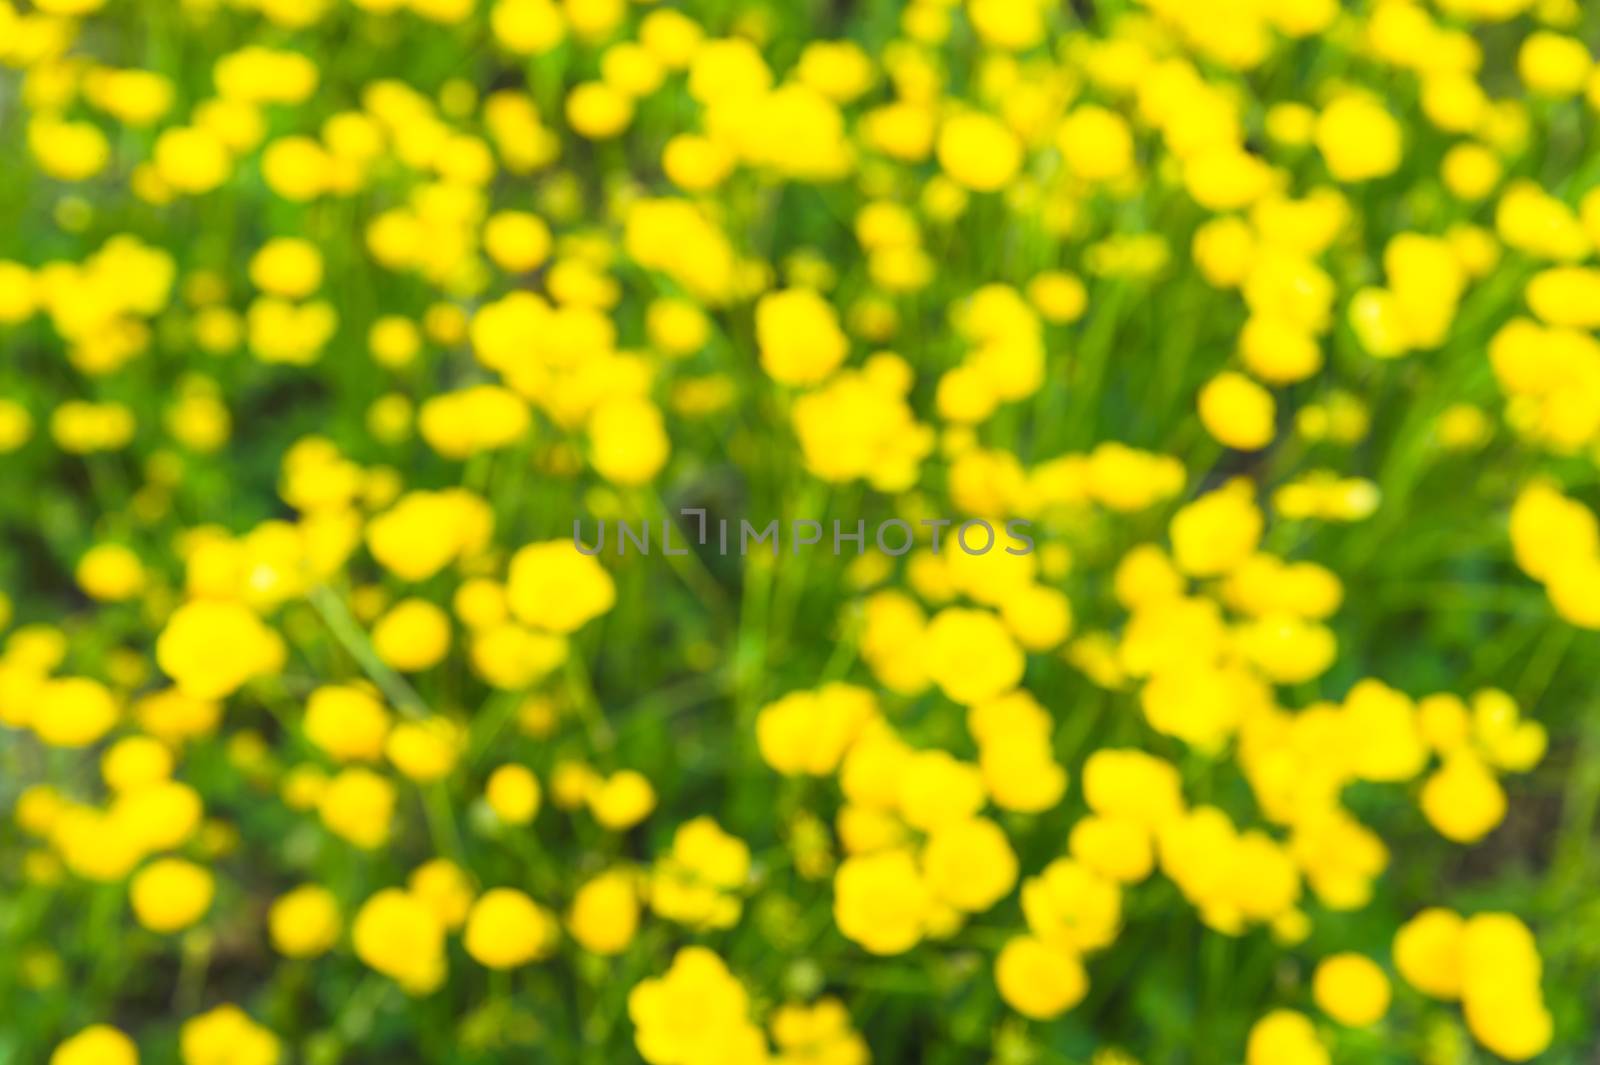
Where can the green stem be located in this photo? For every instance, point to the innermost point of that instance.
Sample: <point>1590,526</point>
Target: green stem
<point>354,639</point>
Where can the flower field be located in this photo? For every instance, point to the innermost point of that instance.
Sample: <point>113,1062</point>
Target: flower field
<point>799,532</point>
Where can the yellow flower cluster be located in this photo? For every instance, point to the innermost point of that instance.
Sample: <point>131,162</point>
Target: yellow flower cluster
<point>1556,541</point>
<point>1488,962</point>
<point>1231,371</point>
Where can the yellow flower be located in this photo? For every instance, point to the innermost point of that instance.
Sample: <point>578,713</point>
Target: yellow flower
<point>698,883</point>
<point>723,67</point>
<point>1133,784</point>
<point>1224,178</point>
<point>95,845</point>
<point>159,816</point>
<point>1516,1026</point>
<point>287,267</point>
<point>629,440</point>
<point>211,648</point>
<point>840,70</point>
<point>98,1044</point>
<point>506,929</point>
<point>399,936</point>
<point>136,762</point>
<point>671,36</point>
<point>1020,772</point>
<point>1471,171</point>
<point>394,341</point>
<point>1095,143</point>
<point>264,75</point>
<point>445,12</point>
<point>480,603</point>
<point>445,889</point>
<point>510,657</point>
<point>1072,908</point>
<point>1565,296</point>
<point>809,732</point>
<point>969,864</point>
<point>348,723</point>
<point>890,644</point>
<point>1351,989</point>
<point>593,20</point>
<point>605,912</point>
<point>970,655</point>
<point>69,151</point>
<point>1463,800</point>
<point>72,712</point>
<point>1391,746</point>
<point>799,336</point>
<point>425,531</point>
<point>296,168</point>
<point>1500,993</point>
<point>1117,848</point>
<point>676,326</point>
<point>621,800</point>
<point>517,240</point>
<point>978,151</point>
<point>1284,1037</point>
<point>1060,297</point>
<point>696,1011</point>
<point>16,424</point>
<point>1037,980</point>
<point>1008,24</point>
<point>36,648</point>
<point>881,902</point>
<point>1551,533</point>
<point>553,586</point>
<point>819,1033</point>
<point>83,428</point>
<point>1237,412</point>
<point>111,573</point>
<point>170,894</point>
<point>172,717</point>
<point>860,426</point>
<point>527,27</point>
<point>412,636</point>
<point>1217,531</point>
<point>425,750</point>
<point>1552,64</point>
<point>472,420</point>
<point>1286,649</point>
<point>227,1036</point>
<point>1359,139</point>
<point>679,239</point>
<point>304,922</point>
<point>357,806</point>
<point>931,788</point>
<point>598,111</point>
<point>1224,249</point>
<point>513,794</point>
